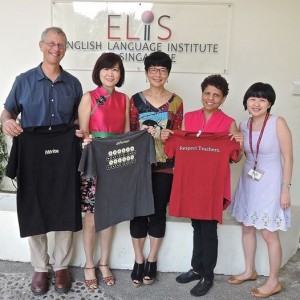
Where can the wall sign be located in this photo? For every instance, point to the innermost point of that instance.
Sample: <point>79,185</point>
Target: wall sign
<point>195,35</point>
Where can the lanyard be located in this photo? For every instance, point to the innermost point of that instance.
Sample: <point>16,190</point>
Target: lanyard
<point>259,138</point>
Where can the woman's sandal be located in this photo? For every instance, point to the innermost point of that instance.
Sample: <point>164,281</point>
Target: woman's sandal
<point>108,280</point>
<point>137,274</point>
<point>91,283</point>
<point>150,272</point>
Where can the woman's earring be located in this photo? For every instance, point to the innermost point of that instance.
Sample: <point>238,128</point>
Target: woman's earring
<point>146,79</point>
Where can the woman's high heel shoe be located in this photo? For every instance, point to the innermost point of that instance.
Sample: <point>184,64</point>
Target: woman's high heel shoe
<point>150,272</point>
<point>90,283</point>
<point>137,274</point>
<point>109,279</point>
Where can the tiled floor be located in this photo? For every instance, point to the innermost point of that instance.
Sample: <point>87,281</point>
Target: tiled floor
<point>15,279</point>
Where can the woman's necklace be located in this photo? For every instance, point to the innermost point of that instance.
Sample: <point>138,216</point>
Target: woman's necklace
<point>205,120</point>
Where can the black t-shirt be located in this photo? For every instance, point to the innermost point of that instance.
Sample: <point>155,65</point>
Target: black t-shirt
<point>45,162</point>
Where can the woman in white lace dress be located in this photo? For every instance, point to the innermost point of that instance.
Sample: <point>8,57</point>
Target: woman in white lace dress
<point>262,199</point>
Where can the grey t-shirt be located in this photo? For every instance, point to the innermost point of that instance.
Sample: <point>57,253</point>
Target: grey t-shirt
<point>122,167</point>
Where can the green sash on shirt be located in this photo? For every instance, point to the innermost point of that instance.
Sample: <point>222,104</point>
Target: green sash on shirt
<point>101,134</point>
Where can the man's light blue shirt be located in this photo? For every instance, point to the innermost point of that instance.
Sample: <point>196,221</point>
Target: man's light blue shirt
<point>42,102</point>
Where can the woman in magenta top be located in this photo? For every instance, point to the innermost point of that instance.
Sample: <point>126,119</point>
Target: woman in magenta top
<point>108,117</point>
<point>205,239</point>
<point>102,112</point>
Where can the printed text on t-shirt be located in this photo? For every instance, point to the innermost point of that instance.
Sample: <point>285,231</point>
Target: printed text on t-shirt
<point>199,148</point>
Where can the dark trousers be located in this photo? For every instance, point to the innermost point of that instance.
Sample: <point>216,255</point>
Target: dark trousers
<point>205,247</point>
<point>155,224</point>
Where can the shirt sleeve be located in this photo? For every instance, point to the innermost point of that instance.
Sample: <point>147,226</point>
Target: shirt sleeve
<point>134,117</point>
<point>79,93</point>
<point>178,116</point>
<point>152,153</point>
<point>12,166</point>
<point>234,150</point>
<point>86,165</point>
<point>169,148</point>
<point>12,102</point>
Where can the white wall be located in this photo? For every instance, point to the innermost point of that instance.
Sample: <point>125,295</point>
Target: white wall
<point>264,47</point>
<point>230,251</point>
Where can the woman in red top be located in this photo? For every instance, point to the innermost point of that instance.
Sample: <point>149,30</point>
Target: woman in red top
<point>102,112</point>
<point>209,118</point>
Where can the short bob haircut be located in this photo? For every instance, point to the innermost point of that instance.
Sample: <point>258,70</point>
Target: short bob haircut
<point>108,60</point>
<point>217,81</point>
<point>158,59</point>
<point>260,90</point>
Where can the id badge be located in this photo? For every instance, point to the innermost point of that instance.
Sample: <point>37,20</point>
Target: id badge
<point>255,174</point>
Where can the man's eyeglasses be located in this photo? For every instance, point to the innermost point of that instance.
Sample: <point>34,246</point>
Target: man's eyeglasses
<point>52,45</point>
<point>154,70</point>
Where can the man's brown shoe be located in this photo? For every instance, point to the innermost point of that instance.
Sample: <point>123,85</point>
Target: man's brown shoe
<point>39,284</point>
<point>62,281</point>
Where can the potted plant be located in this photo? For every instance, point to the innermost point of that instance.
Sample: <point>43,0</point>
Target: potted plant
<point>3,154</point>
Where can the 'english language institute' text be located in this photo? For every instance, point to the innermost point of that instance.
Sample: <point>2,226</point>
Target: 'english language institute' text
<point>199,148</point>
<point>144,46</point>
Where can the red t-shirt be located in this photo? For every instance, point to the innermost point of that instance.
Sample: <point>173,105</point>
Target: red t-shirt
<point>201,165</point>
